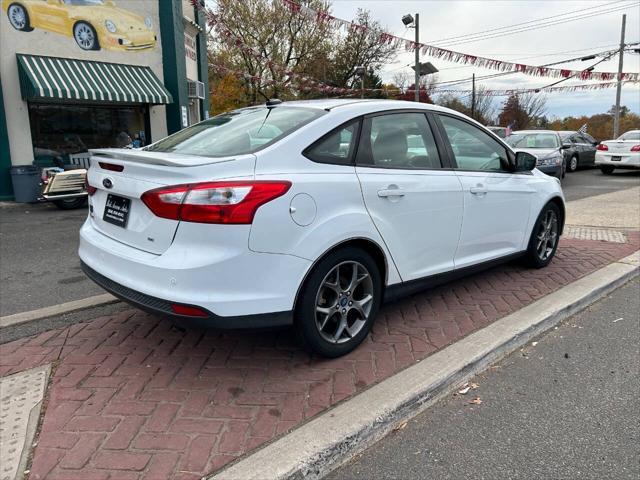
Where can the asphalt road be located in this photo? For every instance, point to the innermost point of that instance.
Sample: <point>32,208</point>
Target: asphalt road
<point>590,182</point>
<point>39,263</point>
<point>38,245</point>
<point>564,408</point>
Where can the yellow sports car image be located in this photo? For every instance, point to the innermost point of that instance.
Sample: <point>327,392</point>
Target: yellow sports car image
<point>93,24</point>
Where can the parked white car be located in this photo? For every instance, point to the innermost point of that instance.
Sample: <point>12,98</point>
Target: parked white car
<point>349,203</point>
<point>621,153</point>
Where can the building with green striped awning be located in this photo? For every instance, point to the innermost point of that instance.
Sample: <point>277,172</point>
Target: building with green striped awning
<point>76,75</point>
<point>44,77</point>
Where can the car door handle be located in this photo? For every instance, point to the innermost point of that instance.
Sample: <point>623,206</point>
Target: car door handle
<point>479,190</point>
<point>391,192</point>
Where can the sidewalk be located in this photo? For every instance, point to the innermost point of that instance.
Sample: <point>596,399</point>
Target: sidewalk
<point>133,397</point>
<point>561,407</point>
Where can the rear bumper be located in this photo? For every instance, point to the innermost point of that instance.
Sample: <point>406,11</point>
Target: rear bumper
<point>627,160</point>
<point>206,266</point>
<point>158,306</point>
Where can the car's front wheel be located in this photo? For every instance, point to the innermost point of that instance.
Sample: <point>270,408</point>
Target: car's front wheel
<point>544,237</point>
<point>85,36</point>
<point>19,17</point>
<point>607,169</point>
<point>338,302</point>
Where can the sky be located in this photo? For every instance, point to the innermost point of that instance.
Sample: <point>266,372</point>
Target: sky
<point>440,19</point>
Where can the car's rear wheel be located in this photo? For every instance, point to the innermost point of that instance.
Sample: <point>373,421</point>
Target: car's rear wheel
<point>19,17</point>
<point>573,164</point>
<point>544,237</point>
<point>85,36</point>
<point>338,302</point>
<point>607,169</point>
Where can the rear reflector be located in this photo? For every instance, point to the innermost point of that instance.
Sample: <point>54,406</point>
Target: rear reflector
<point>234,202</point>
<point>602,147</point>
<point>111,166</point>
<point>188,310</point>
<point>90,189</point>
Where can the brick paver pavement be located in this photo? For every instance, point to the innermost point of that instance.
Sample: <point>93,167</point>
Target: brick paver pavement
<point>134,397</point>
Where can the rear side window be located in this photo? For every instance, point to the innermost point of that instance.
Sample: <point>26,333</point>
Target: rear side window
<point>337,146</point>
<point>238,132</point>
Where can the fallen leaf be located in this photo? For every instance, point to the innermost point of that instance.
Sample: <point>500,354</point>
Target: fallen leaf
<point>474,386</point>
<point>400,427</point>
<point>476,401</point>
<point>464,391</point>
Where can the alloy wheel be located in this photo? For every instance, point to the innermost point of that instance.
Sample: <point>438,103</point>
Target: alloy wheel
<point>573,164</point>
<point>84,36</point>
<point>343,302</point>
<point>17,17</point>
<point>547,236</point>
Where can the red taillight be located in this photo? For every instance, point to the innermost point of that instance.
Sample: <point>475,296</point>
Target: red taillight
<point>188,310</point>
<point>111,166</point>
<point>602,147</point>
<point>635,148</point>
<point>232,202</point>
<point>90,189</point>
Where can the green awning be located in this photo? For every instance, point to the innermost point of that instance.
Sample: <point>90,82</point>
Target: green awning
<point>65,78</point>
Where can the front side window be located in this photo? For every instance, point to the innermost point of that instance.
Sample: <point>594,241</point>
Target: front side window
<point>402,140</point>
<point>533,140</point>
<point>238,132</point>
<point>336,147</point>
<point>473,148</point>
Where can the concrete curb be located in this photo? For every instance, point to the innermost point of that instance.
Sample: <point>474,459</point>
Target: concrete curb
<point>56,310</point>
<point>323,444</point>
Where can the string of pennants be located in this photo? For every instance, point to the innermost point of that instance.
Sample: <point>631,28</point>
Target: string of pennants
<point>453,56</point>
<point>306,83</point>
<point>323,88</point>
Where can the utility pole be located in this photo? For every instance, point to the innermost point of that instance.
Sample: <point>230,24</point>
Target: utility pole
<point>417,59</point>
<point>473,96</point>
<point>616,118</point>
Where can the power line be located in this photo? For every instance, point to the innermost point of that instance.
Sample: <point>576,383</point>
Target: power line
<point>536,27</point>
<point>518,24</point>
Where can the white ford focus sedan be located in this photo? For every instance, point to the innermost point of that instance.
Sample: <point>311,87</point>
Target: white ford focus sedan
<point>312,214</point>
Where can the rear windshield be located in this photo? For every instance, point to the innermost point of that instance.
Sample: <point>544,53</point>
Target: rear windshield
<point>634,135</point>
<point>234,133</point>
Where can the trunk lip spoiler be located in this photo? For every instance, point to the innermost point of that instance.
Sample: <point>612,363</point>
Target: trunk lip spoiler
<point>160,158</point>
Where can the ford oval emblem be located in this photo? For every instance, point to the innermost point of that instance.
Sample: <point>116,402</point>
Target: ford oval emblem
<point>107,183</point>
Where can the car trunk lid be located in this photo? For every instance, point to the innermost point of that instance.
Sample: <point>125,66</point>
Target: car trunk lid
<point>120,177</point>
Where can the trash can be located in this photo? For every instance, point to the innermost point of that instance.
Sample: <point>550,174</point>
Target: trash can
<point>26,183</point>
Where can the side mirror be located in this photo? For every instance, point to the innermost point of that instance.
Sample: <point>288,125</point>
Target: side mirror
<point>565,146</point>
<point>525,162</point>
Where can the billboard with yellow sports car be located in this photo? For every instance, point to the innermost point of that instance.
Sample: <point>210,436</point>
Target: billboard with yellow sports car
<point>91,24</point>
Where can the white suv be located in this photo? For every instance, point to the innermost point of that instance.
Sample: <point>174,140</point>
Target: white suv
<point>344,205</point>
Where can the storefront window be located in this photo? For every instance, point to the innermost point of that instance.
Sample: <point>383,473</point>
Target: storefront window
<point>58,131</point>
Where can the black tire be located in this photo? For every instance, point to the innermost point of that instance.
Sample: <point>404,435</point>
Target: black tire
<point>27,22</point>
<point>607,169</point>
<point>90,40</point>
<point>573,164</point>
<point>70,203</point>
<point>533,257</point>
<point>564,168</point>
<point>307,318</point>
